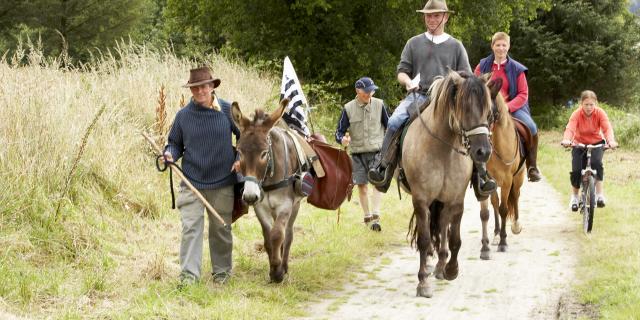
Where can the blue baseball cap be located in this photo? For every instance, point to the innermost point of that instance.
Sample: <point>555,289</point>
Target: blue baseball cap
<point>366,84</point>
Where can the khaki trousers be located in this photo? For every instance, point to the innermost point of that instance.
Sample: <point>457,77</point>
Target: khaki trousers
<point>220,239</point>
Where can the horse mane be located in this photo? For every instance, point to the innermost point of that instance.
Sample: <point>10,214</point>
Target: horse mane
<point>503,110</point>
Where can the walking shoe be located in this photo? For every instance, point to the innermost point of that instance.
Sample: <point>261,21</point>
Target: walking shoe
<point>573,203</point>
<point>221,277</point>
<point>600,201</point>
<point>186,280</point>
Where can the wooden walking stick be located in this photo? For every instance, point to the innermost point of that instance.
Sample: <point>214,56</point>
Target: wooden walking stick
<point>186,182</point>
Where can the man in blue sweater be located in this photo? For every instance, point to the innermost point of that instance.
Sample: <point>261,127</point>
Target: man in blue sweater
<point>202,136</point>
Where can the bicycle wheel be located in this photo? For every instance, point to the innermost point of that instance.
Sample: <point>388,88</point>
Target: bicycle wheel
<point>584,206</point>
<point>592,202</point>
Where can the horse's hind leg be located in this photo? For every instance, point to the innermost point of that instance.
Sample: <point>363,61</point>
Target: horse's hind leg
<point>485,252</point>
<point>504,210</point>
<point>451,269</point>
<point>423,242</point>
<point>444,220</point>
<point>514,197</point>
<point>496,217</point>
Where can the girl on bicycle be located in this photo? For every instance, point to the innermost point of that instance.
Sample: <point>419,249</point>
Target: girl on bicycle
<point>589,124</point>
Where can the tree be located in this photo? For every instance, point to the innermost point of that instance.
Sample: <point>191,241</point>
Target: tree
<point>78,25</point>
<point>580,45</point>
<point>331,41</point>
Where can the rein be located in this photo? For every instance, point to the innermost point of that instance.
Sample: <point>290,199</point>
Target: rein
<point>465,134</point>
<point>495,117</point>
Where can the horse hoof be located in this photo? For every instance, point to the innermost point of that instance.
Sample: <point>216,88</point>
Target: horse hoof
<point>502,248</point>
<point>424,291</point>
<point>485,255</point>
<point>451,272</point>
<point>375,227</point>
<point>516,228</point>
<point>439,274</point>
<point>277,277</point>
<point>496,240</point>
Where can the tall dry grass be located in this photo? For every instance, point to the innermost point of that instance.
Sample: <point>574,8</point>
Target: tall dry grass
<point>70,138</point>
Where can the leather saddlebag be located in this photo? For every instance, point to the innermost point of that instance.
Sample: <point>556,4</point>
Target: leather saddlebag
<point>331,190</point>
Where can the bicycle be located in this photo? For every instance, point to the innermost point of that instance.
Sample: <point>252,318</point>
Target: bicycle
<point>587,202</point>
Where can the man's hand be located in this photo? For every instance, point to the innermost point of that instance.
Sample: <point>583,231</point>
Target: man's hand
<point>613,144</point>
<point>346,140</point>
<point>565,143</point>
<point>167,157</point>
<point>236,166</point>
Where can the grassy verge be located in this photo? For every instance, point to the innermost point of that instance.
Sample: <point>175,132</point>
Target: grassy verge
<point>609,260</point>
<point>112,250</point>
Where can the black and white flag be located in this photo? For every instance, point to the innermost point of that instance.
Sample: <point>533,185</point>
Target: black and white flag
<point>296,112</point>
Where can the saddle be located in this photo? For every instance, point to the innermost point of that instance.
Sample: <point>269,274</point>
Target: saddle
<point>336,185</point>
<point>525,137</point>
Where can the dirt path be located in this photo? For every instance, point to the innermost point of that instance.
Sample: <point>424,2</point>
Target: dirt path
<point>524,283</point>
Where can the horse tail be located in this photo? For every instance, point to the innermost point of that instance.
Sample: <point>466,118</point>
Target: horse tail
<point>413,230</point>
<point>434,227</point>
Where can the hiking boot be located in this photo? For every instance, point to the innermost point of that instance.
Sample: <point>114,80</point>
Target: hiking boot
<point>600,201</point>
<point>532,158</point>
<point>221,277</point>
<point>573,203</point>
<point>379,174</point>
<point>186,280</point>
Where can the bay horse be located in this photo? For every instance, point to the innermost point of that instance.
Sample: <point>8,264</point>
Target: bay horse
<point>506,167</point>
<point>269,162</point>
<point>437,156</point>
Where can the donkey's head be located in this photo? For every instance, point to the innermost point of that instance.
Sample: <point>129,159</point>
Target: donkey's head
<point>254,148</point>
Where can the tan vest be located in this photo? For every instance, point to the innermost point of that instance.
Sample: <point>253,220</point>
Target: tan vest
<point>365,128</point>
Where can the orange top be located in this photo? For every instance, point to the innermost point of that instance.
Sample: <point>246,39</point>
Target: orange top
<point>588,129</point>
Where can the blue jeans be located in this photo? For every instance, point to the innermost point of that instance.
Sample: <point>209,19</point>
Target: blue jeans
<point>401,114</point>
<point>525,117</point>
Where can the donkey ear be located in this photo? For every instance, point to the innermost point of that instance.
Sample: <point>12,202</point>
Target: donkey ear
<point>238,118</point>
<point>277,114</point>
<point>494,87</point>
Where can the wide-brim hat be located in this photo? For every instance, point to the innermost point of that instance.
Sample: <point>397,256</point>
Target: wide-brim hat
<point>435,6</point>
<point>200,76</point>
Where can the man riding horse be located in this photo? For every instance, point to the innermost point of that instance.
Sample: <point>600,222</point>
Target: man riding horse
<point>427,55</point>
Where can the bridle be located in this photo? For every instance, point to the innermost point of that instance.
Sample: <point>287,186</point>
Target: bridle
<point>481,129</point>
<point>269,170</point>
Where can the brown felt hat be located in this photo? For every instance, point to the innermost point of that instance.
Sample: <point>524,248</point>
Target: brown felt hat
<point>434,6</point>
<point>200,76</point>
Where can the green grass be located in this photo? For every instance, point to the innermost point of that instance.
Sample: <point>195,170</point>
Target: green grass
<point>609,260</point>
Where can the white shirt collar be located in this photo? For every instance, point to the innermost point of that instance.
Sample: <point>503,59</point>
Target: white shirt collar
<point>437,39</point>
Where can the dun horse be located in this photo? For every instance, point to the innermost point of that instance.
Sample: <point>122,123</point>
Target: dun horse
<point>506,167</point>
<point>437,155</point>
<point>269,162</point>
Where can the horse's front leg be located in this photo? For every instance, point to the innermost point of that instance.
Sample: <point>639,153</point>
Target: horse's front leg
<point>288,239</point>
<point>277,236</point>
<point>485,251</point>
<point>455,242</point>
<point>423,242</point>
<point>266,223</point>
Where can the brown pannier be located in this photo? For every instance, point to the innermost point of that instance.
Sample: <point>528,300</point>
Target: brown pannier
<point>331,190</point>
